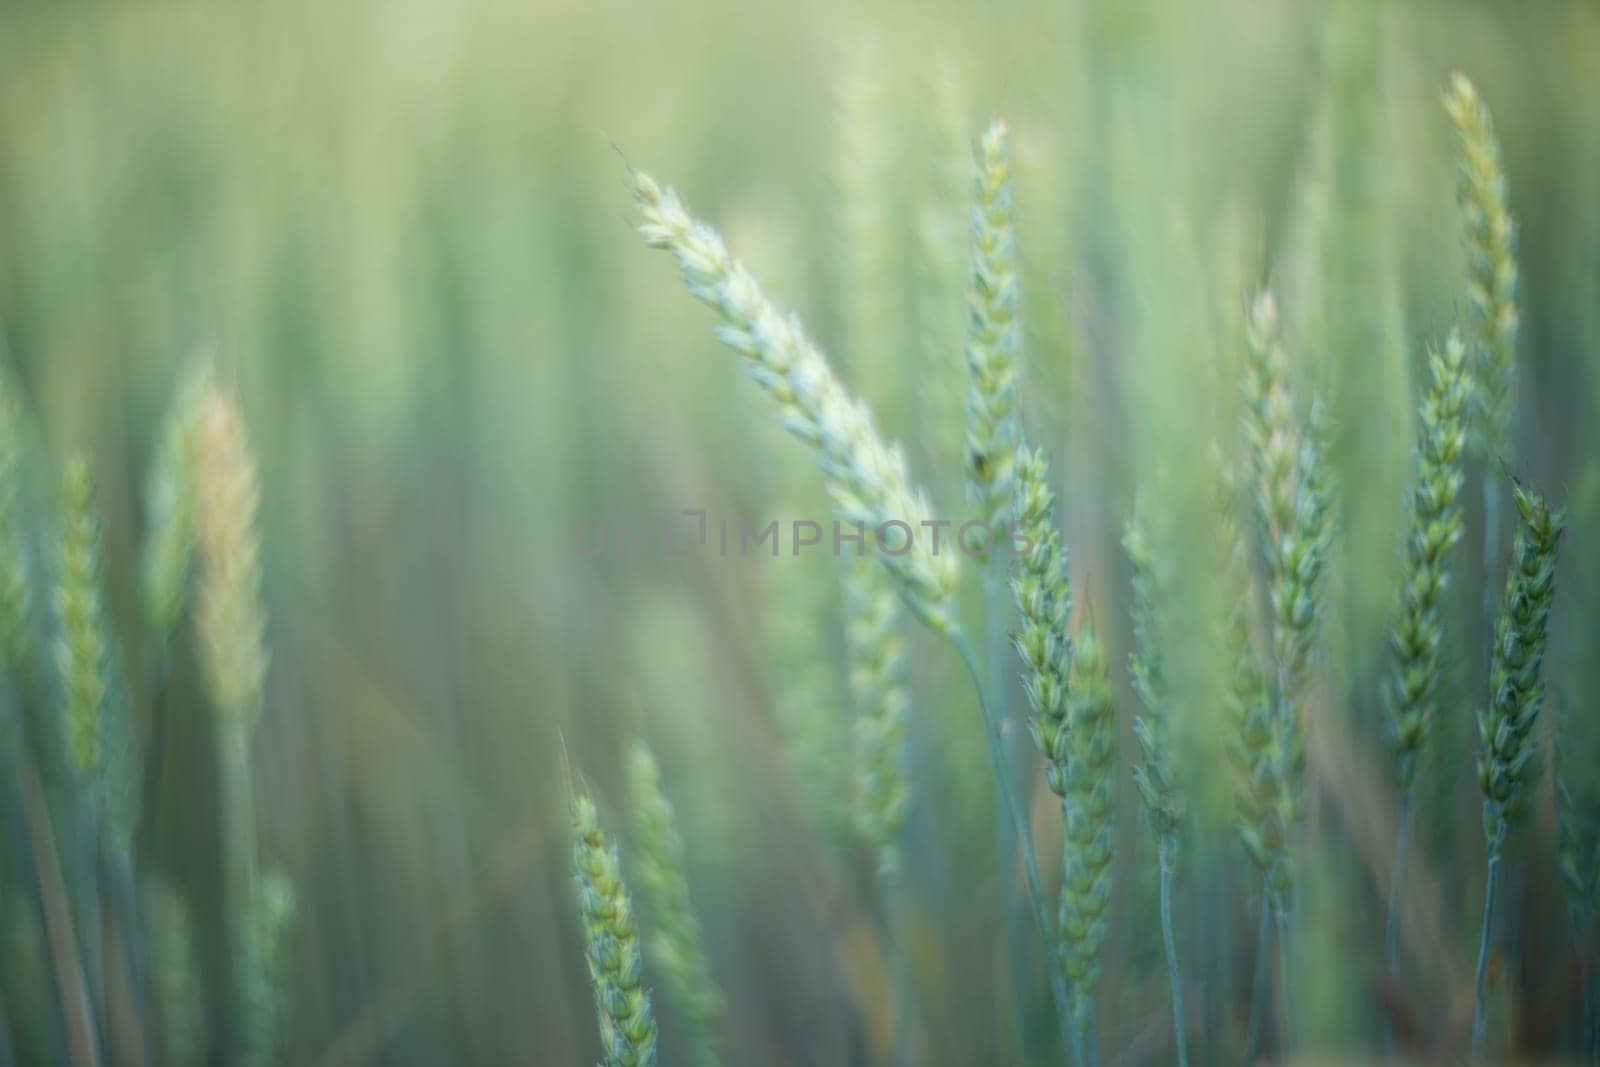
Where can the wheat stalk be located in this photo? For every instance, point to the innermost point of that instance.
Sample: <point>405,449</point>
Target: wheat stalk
<point>1507,764</point>
<point>611,942</point>
<point>15,596</point>
<point>677,946</point>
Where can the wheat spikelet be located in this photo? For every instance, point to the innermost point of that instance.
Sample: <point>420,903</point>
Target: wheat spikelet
<point>1043,593</point>
<point>993,331</point>
<point>1490,237</point>
<point>882,787</point>
<point>1152,776</point>
<point>611,942</point>
<point>169,509</point>
<point>229,620</point>
<point>866,476</point>
<point>1417,635</point>
<point>677,946</point>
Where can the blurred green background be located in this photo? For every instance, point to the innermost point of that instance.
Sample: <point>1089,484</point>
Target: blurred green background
<point>403,234</point>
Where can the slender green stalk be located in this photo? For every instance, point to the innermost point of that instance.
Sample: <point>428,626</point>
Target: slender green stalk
<point>1019,828</point>
<point>1402,839</point>
<point>1258,985</point>
<point>1485,939</point>
<point>1180,1037</point>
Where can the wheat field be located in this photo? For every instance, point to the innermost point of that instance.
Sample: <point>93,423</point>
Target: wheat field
<point>726,533</point>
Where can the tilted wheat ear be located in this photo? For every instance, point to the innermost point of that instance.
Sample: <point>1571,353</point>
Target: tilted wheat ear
<point>866,476</point>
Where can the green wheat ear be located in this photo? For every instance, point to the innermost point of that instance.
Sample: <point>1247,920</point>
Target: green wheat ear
<point>98,742</point>
<point>15,599</point>
<point>1091,821</point>
<point>866,475</point>
<point>993,331</point>
<point>611,942</point>
<point>1152,775</point>
<point>1490,237</point>
<point>1417,636</point>
<point>881,791</point>
<point>677,945</point>
<point>169,509</point>
<point>1043,593</point>
<point>1508,763</point>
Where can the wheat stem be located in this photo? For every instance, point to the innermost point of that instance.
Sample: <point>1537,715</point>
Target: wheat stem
<point>1397,878</point>
<point>1491,884</point>
<point>1180,1038</point>
<point>1258,985</point>
<point>1020,830</point>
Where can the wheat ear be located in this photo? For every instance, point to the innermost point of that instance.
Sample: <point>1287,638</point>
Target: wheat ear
<point>866,476</point>
<point>1490,236</point>
<point>1152,775</point>
<point>611,942</point>
<point>992,337</point>
<point>1090,819</point>
<point>677,945</point>
<point>1416,636</point>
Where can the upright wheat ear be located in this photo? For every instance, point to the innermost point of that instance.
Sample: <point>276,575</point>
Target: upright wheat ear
<point>98,742</point>
<point>169,509</point>
<point>677,946</point>
<point>881,789</point>
<point>992,337</point>
<point>1491,238</point>
<point>866,476</point>
<point>611,942</point>
<point>1417,636</point>
<point>229,621</point>
<point>15,599</point>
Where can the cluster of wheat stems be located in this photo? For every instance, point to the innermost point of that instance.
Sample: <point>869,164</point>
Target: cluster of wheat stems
<point>1277,523</point>
<point>84,726</point>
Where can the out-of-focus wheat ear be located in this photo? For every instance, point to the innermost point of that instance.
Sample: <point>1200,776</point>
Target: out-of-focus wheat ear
<point>267,940</point>
<point>16,607</point>
<point>1490,234</point>
<point>169,503</point>
<point>677,945</point>
<point>993,331</point>
<point>874,638</point>
<point>611,941</point>
<point>866,475</point>
<point>175,973</point>
<point>229,620</point>
<point>94,717</point>
<point>1089,806</point>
